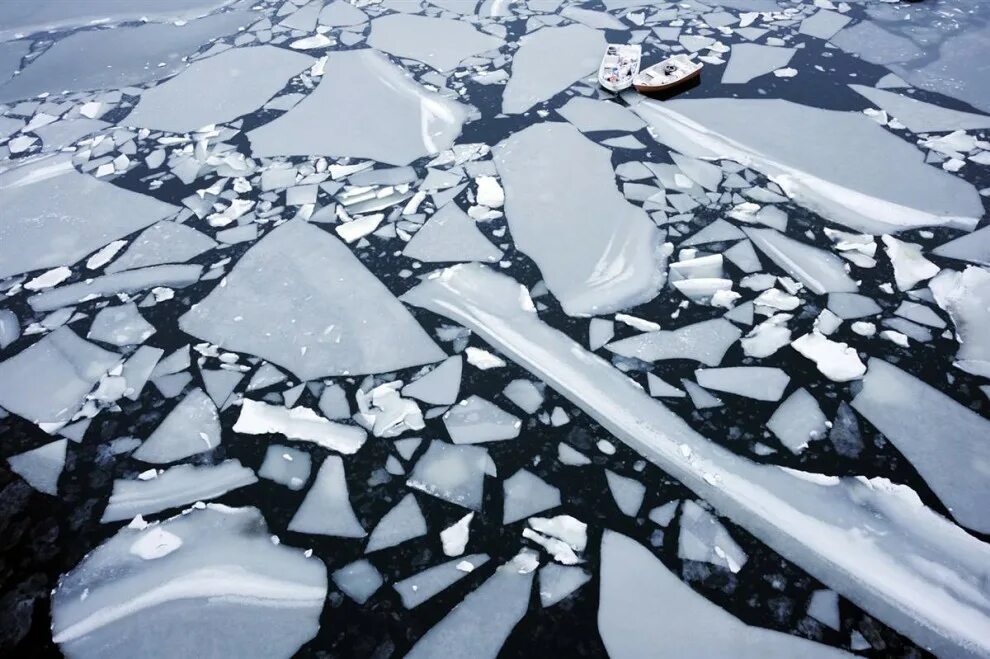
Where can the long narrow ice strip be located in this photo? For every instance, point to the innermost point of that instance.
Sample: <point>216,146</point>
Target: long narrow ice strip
<point>871,540</point>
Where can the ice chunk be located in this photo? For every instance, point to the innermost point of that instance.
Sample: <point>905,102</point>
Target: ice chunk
<point>420,587</point>
<point>120,326</point>
<point>176,486</point>
<point>299,423</point>
<point>817,269</point>
<point>716,232</point>
<point>824,607</point>
<point>628,493</point>
<point>837,361</point>
<point>192,427</point>
<point>440,386</point>
<point>164,242</point>
<point>658,388</point>
<point>608,266</point>
<point>455,537</point>
<point>527,494</point>
<point>910,266</point>
<point>823,24</point>
<point>589,115</point>
<point>750,60</point>
<point>475,420</point>
<point>600,332</point>
<point>225,586</point>
<point>287,466</point>
<point>217,89</point>
<point>130,281</point>
<point>420,122</point>
<point>705,342</point>
<point>973,247</point>
<point>569,530</point>
<point>703,538</point>
<point>921,117</point>
<point>383,411</point>
<point>910,413</point>
<point>42,466</point>
<point>759,382</point>
<point>402,523</point>
<point>849,306</point>
<point>359,580</point>
<point>450,235</point>
<point>54,216</point>
<point>452,473</point>
<point>966,296</point>
<point>10,328</point>
<point>326,510</point>
<point>560,581</point>
<point>138,368</point>
<point>438,42</point>
<point>301,299</point>
<point>524,394</point>
<point>798,420</point>
<point>341,13</point>
<point>548,61</point>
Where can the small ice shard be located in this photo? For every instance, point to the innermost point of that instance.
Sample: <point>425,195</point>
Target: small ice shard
<point>705,342</point>
<point>526,494</point>
<point>437,42</point>
<point>798,420</point>
<point>482,359</point>
<point>837,361</point>
<point>475,420</point>
<point>176,486</point>
<point>921,314</point>
<point>424,585</point>
<point>589,115</point>
<point>217,89</point>
<point>817,269</point>
<point>759,382</point>
<point>643,606</point>
<point>628,493</point>
<point>266,376</point>
<point>966,296</point>
<point>120,326</point>
<point>558,549</point>
<point>524,394</point>
<point>824,607</point>
<point>479,625</point>
<point>421,122</point>
<point>450,236</point>
<point>609,265</point>
<point>660,389</point>
<point>138,368</point>
<point>973,247</point>
<point>299,423</point>
<point>220,384</point>
<point>299,287</point>
<point>548,61</point>
<point>910,413</point>
<point>921,117</point>
<point>440,386</point>
<point>216,565</point>
<point>192,427</point>
<point>750,60</point>
<point>823,24</point>
<point>455,537</point>
<point>42,466</point>
<point>600,332</point>
<point>326,510</point>
<point>163,242</point>
<point>716,232</point>
<point>700,398</point>
<point>570,456</point>
<point>404,522</point>
<point>359,580</point>
<point>703,538</point>
<point>910,266</point>
<point>286,466</point>
<point>451,472</point>
<point>663,515</point>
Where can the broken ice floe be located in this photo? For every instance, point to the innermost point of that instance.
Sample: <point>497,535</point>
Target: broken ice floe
<point>42,466</point>
<point>327,510</point>
<point>298,423</point>
<point>418,588</point>
<point>191,427</point>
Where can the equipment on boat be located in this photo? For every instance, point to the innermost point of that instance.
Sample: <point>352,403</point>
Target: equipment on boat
<point>620,64</point>
<point>665,75</point>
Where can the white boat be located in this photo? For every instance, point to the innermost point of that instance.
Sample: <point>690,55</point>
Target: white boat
<point>620,65</point>
<point>667,74</point>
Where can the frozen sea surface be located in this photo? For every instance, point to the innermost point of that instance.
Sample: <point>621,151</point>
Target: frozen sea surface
<point>376,328</point>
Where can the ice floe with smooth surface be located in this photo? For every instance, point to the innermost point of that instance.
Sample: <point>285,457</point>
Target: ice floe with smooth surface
<point>966,297</point>
<point>454,473</point>
<point>821,271</point>
<point>589,115</point>
<point>327,510</point>
<point>451,236</point>
<point>359,580</point>
<point>527,494</point>
<point>823,24</point>
<point>404,522</point>
<point>163,242</point>
<point>919,116</point>
<point>416,589</point>
<point>439,386</point>
<point>607,266</point>
<point>706,342</point>
<point>703,538</point>
<point>192,427</point>
<point>420,122</point>
<point>298,423</point>
<point>557,582</point>
<point>287,466</point>
<point>129,281</point>
<point>302,300</point>
<point>750,60</point>
<point>476,420</point>
<point>210,579</point>
<point>627,492</point>
<point>973,247</point>
<point>759,382</point>
<point>797,421</point>
<point>121,325</point>
<point>438,42</point>
<point>42,466</point>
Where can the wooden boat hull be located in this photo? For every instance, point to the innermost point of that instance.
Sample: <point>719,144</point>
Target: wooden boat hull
<point>658,89</point>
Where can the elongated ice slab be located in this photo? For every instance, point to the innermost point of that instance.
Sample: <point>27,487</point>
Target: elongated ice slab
<point>475,420</point>
<point>422,586</point>
<point>299,423</point>
<point>821,271</point>
<point>921,117</point>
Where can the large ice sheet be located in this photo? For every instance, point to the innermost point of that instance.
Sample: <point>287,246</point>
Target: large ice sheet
<point>548,61</point>
<point>53,215</point>
<point>614,257</point>
<point>439,42</point>
<point>946,442</point>
<point>835,163</point>
<point>209,582</point>
<point>379,94</point>
<point>217,89</point>
<point>869,539</point>
<point>300,299</point>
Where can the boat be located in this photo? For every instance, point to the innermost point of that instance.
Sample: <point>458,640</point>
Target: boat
<point>672,72</point>
<point>620,64</point>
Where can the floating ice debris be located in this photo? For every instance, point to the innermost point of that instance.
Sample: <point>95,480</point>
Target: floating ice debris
<point>910,413</point>
<point>452,473</point>
<point>192,427</point>
<point>47,382</point>
<point>326,510</point>
<point>628,493</point>
<point>479,625</point>
<point>848,306</point>
<point>558,582</point>
<point>565,528</point>
<point>299,423</point>
<point>798,420</point>
<point>973,247</point>
<point>921,117</point>
<point>176,486</point>
<point>129,281</point>
<point>527,494</point>
<point>53,277</point>
<point>555,548</point>
<point>439,386</point>
<point>10,328</point>
<point>450,235</point>
<point>910,266</point>
<point>309,43</point>
<point>548,61</point>
<point>455,537</point>
<point>705,342</point>
<point>837,361</point>
<point>660,389</point>
<point>635,322</point>
<point>120,326</point>
<point>482,359</point>
<point>138,369</point>
<point>823,24</point>
<point>787,72</point>
<point>359,580</point>
<point>53,215</point>
<point>759,382</point>
<point>287,466</point>
<point>966,296</point>
<point>42,466</point>
<point>600,332</point>
<point>438,42</point>
<point>703,538</point>
<point>217,89</point>
<point>420,122</point>
<point>643,606</point>
<point>824,607</point>
<point>218,565</point>
<point>716,232</point>
<point>589,115</point>
<point>750,60</point>
<point>524,394</point>
<point>420,587</point>
<point>817,269</point>
<point>768,337</point>
<point>299,287</point>
<point>571,456</point>
<point>608,266</point>
<point>402,523</point>
<point>475,420</point>
<point>847,179</point>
